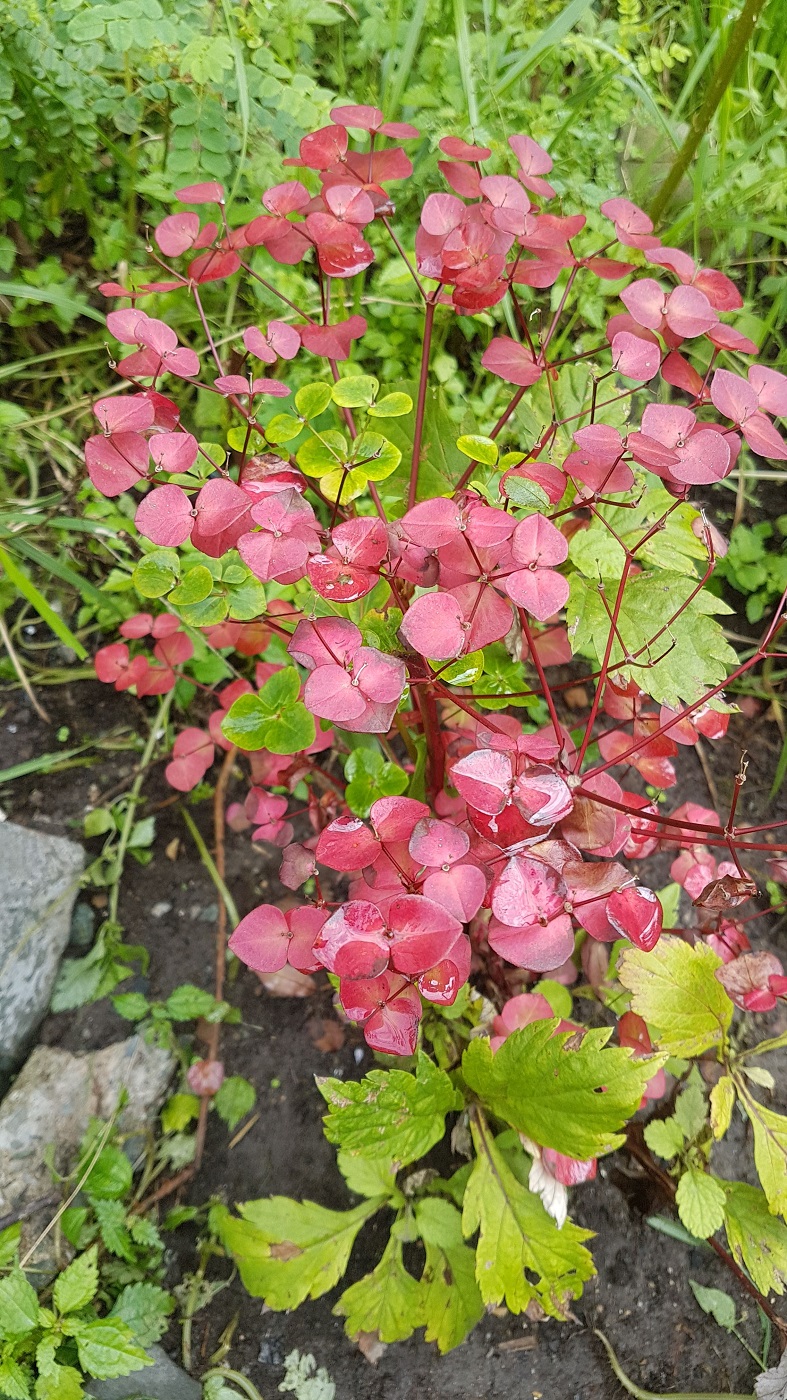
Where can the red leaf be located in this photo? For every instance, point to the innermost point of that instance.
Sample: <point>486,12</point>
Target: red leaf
<point>165,516</point>
<point>209,192</point>
<point>347,844</point>
<point>511,361</point>
<point>192,756</point>
<point>177,233</point>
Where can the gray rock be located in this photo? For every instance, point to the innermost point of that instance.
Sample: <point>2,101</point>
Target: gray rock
<point>162,1381</point>
<point>39,879</point>
<point>50,1106</point>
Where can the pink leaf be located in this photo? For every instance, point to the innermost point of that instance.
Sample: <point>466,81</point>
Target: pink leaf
<point>174,452</point>
<point>359,117</point>
<point>209,192</point>
<point>291,197</point>
<point>262,939</point>
<point>423,933</point>
<point>324,640</point>
<point>763,438</point>
<point>323,148</point>
<point>192,756</point>
<point>223,512</point>
<point>539,947</point>
<point>461,890</point>
<point>115,464</point>
<point>132,413</point>
<point>165,516</point>
<point>177,233</point>
<point>433,626</point>
<point>635,358</point>
<point>526,892</point>
<point>484,779</point>
<point>347,844</point>
<point>646,301</point>
<point>354,942</point>
<point>511,361</point>
<point>389,1008</point>
<point>537,541</point>
<point>721,292</point>
<point>635,913</point>
<point>334,341</point>
<point>689,313</point>
<point>460,150</point>
<point>727,338</point>
<point>770,387</point>
<point>441,214</point>
<point>436,842</point>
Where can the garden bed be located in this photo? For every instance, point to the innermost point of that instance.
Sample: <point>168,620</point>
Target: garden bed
<point>641,1296</point>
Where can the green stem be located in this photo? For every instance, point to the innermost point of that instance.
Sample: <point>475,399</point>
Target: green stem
<point>237,1379</point>
<point>640,1394</point>
<point>159,724</point>
<point>420,409</point>
<point>741,33</point>
<point>210,866</point>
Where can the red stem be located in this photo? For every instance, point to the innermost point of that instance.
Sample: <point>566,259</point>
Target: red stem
<point>420,410</point>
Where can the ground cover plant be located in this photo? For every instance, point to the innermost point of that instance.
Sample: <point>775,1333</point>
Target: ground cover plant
<point>388,615</point>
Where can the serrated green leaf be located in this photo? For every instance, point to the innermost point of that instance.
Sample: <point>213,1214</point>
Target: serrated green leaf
<point>700,1201</point>
<point>107,1348</point>
<point>287,1251</point>
<point>664,1136</point>
<point>691,1109</point>
<point>18,1305</point>
<point>574,1100</point>
<point>757,1239</point>
<point>685,656</point>
<point>452,1301</point>
<point>390,1115</point>
<point>388,1301</point>
<point>521,1254</point>
<point>674,988</point>
<point>313,399</point>
<point>9,1243</point>
<point>111,1217</point>
<point>111,1175</point>
<point>722,1102</point>
<point>356,391</point>
<point>372,1178</point>
<point>770,1152</point>
<point>145,1308</point>
<point>715,1303</point>
<point>78,1284</point>
<point>60,1383</point>
<point>234,1100</point>
<point>13,1380</point>
<point>132,1006</point>
<point>188,1003</point>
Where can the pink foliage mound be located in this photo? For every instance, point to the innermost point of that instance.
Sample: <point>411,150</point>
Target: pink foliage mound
<point>369,578</point>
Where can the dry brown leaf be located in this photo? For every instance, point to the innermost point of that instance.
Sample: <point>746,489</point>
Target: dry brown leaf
<point>370,1346</point>
<point>172,848</point>
<point>326,1034</point>
<point>287,983</point>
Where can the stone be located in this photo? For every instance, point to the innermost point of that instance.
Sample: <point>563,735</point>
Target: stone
<point>39,880</point>
<point>50,1106</point>
<point>162,1381</point>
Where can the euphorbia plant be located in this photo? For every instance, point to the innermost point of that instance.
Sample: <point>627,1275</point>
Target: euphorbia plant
<point>405,594</point>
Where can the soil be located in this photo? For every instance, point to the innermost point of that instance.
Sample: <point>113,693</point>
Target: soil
<point>641,1296</point>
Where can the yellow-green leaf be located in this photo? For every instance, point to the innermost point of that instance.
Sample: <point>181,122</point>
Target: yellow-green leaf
<point>674,988</point>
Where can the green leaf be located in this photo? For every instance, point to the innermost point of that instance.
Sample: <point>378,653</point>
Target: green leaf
<point>674,988</point>
<point>60,1383</point>
<point>452,1300</point>
<point>722,1102</point>
<point>757,1239</point>
<point>287,1251</point>
<point>132,1006</point>
<point>674,546</point>
<point>373,1178</point>
<point>13,1380</point>
<point>770,1153</point>
<point>78,1284</point>
<point>389,1115</point>
<point>385,457</point>
<point>357,391</point>
<point>246,723</point>
<point>145,1308</point>
<point>156,573</point>
<point>188,1003</point>
<point>312,399</point>
<point>369,777</point>
<point>686,655</point>
<point>111,1175</point>
<point>391,406</point>
<point>246,600</point>
<point>195,586</point>
<point>18,1305</point>
<point>9,1243</point>
<point>282,428</point>
<point>718,1304</point>
<point>521,1254</point>
<point>28,590</point>
<point>481,449</point>
<point>524,492</point>
<point>275,719</point>
<point>466,670</point>
<point>574,1100</point>
<point>234,1100</point>
<point>441,463</point>
<point>292,731</point>
<point>700,1200</point>
<point>388,1301</point>
<point>691,1109</point>
<point>664,1136</point>
<point>558,996</point>
<point>111,1217</point>
<point>108,1349</point>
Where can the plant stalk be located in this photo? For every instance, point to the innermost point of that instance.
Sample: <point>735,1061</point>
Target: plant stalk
<point>739,38</point>
<point>420,410</point>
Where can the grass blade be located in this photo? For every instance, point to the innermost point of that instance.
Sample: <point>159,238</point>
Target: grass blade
<point>405,59</point>
<point>87,591</point>
<point>462,31</point>
<point>561,25</point>
<point>39,602</point>
<point>70,306</point>
<point>243,97</point>
<point>781,770</point>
